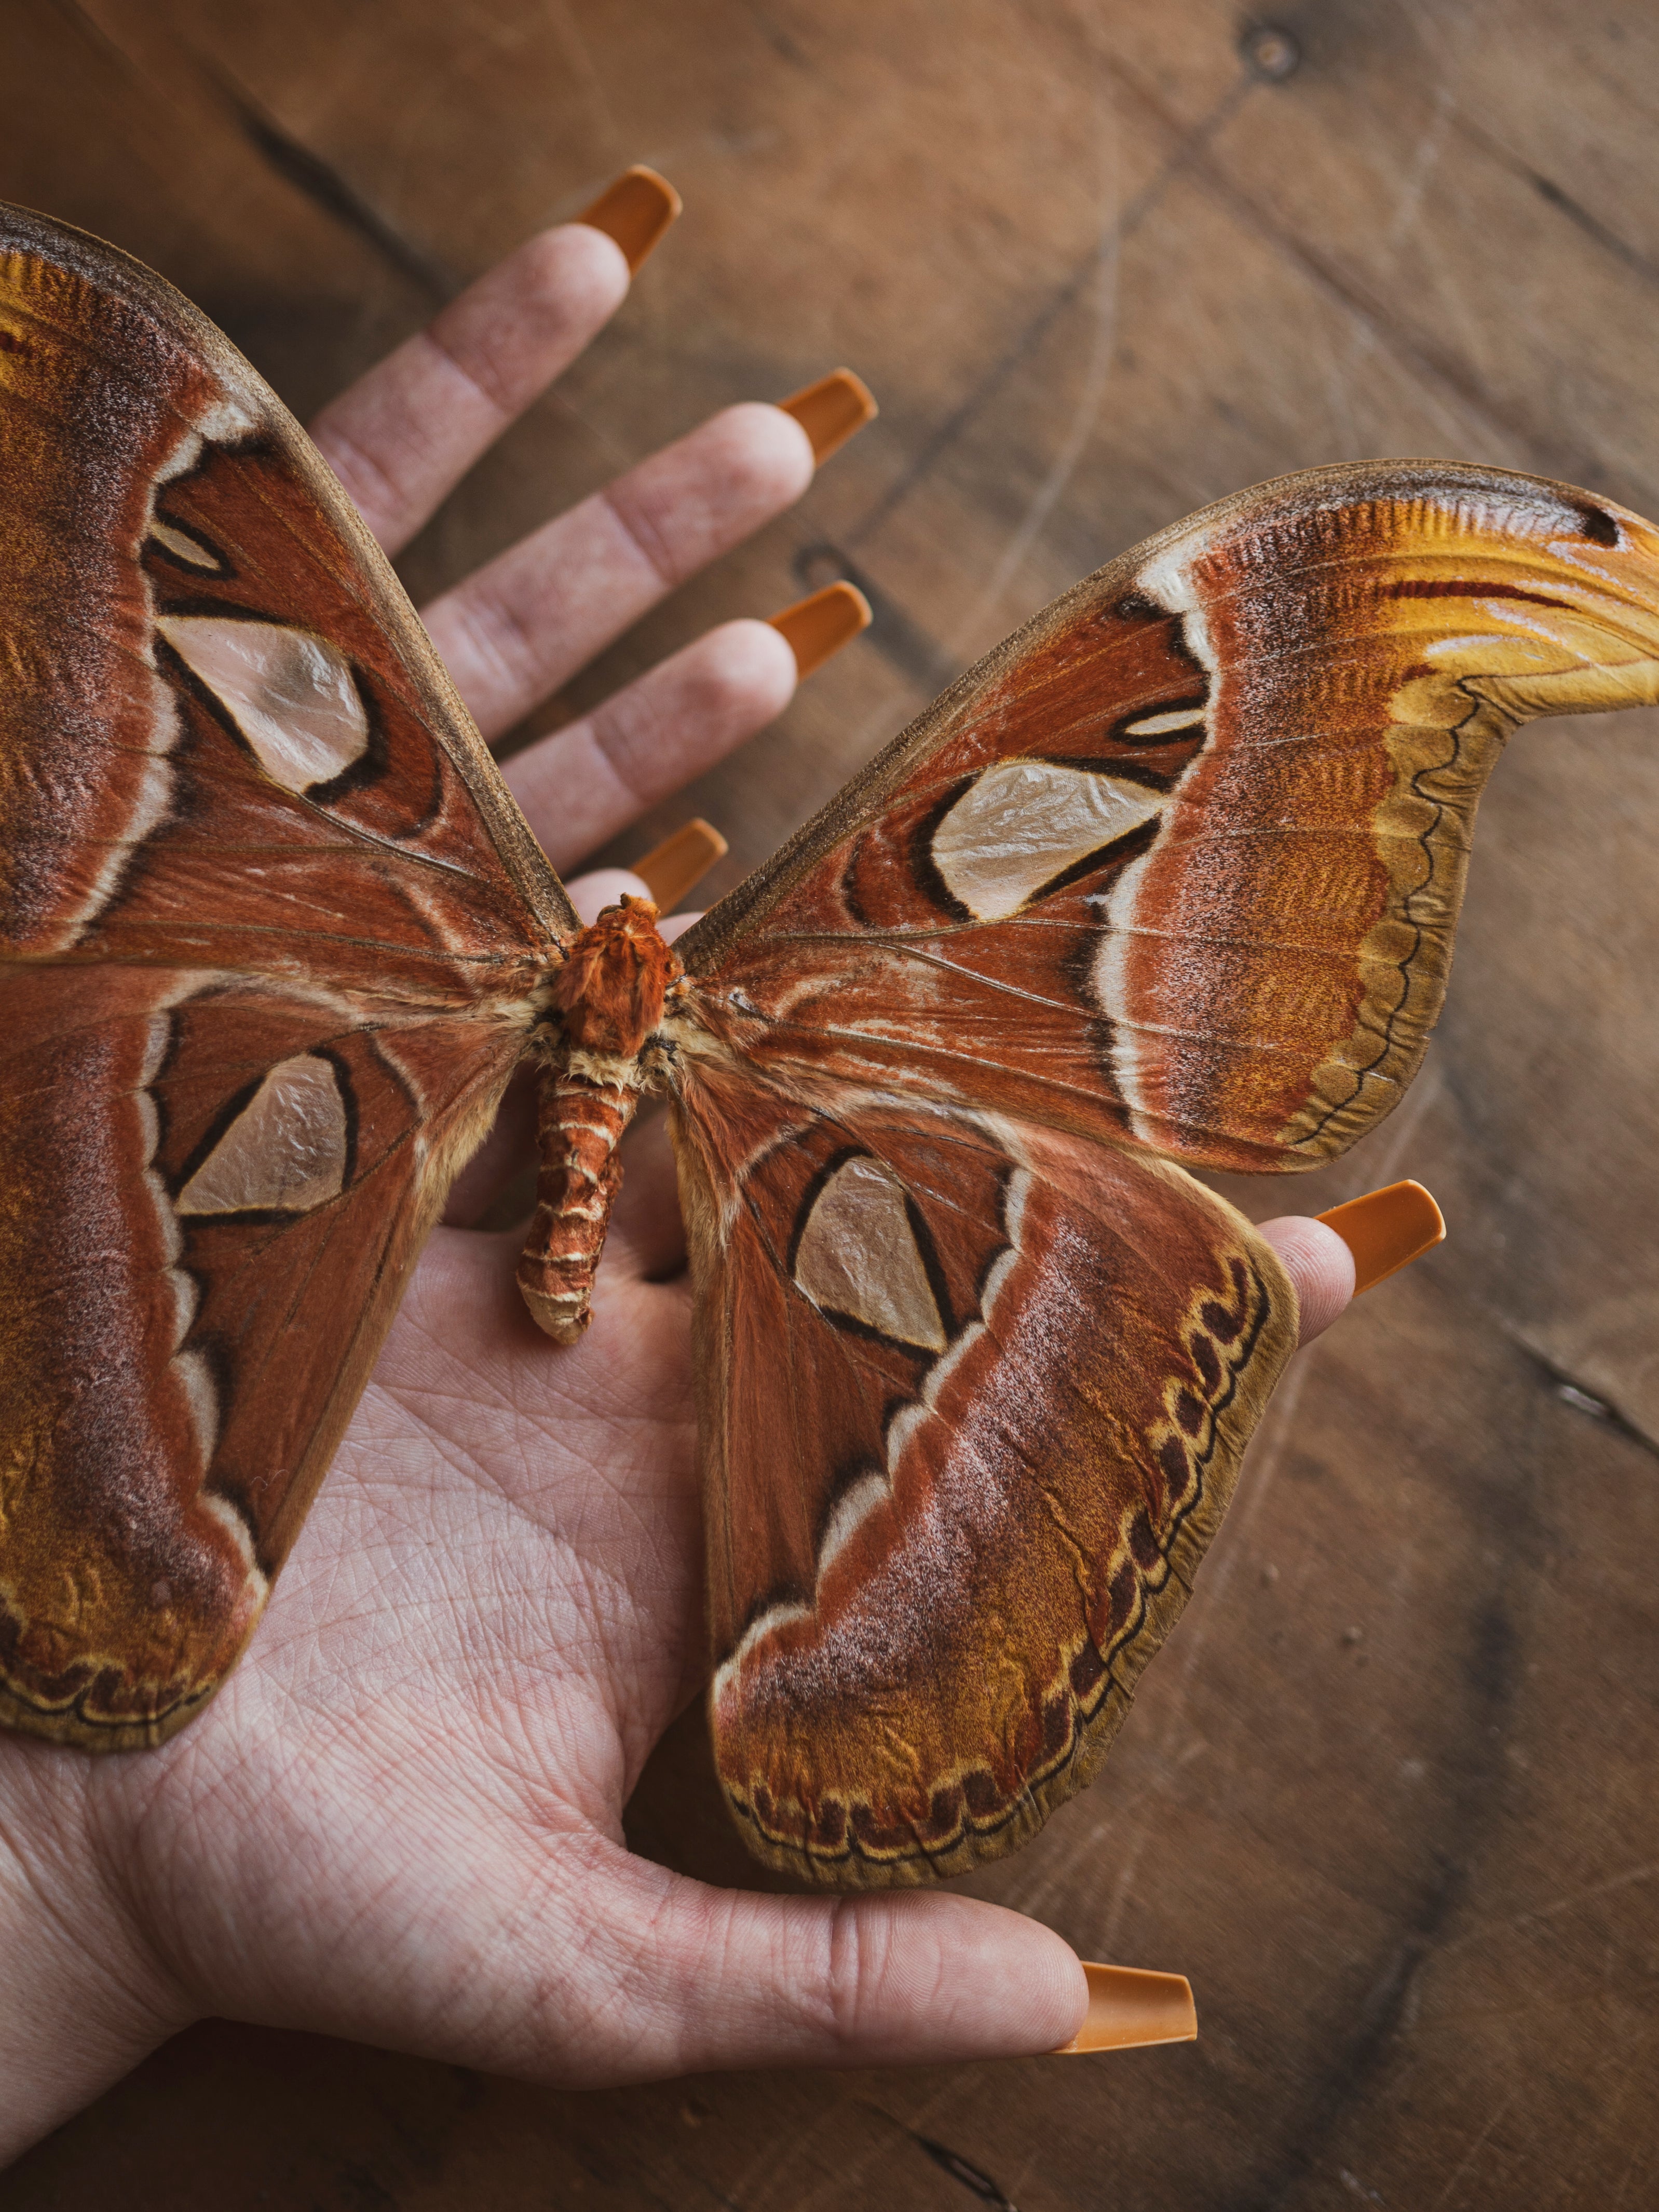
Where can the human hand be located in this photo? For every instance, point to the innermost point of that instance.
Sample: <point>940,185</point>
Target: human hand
<point>401,1818</point>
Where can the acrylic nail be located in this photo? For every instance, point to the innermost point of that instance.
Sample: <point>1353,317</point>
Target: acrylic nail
<point>679,864</point>
<point>831,411</point>
<point>1385,1230</point>
<point>817,626</point>
<point>635,210</point>
<point>1128,2007</point>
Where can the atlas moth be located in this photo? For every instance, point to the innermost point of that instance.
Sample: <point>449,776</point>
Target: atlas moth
<point>1167,881</point>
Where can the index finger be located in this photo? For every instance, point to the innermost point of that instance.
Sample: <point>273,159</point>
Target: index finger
<point>401,438</point>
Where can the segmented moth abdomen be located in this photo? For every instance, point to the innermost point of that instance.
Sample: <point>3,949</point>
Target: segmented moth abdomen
<point>579,1124</point>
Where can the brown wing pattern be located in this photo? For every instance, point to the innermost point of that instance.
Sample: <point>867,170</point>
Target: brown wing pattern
<point>215,1193</point>
<point>1182,860</point>
<point>269,926</point>
<point>227,740</point>
<point>1174,872</point>
<point>972,1398</point>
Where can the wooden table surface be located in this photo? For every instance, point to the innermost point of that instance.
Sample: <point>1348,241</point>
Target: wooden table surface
<point>1389,1798</point>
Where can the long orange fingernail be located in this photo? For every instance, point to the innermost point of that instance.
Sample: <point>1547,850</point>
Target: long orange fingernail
<point>680,862</point>
<point>1385,1230</point>
<point>830,411</point>
<point>1128,2007</point>
<point>635,211</point>
<point>815,628</point>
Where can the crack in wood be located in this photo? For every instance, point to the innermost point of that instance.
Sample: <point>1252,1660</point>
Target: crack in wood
<point>1574,1391</point>
<point>307,171</point>
<point>972,2177</point>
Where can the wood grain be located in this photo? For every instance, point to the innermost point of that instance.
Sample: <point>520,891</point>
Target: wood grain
<point>1390,1799</point>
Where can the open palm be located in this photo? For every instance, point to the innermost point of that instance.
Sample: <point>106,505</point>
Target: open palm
<point>402,1817</point>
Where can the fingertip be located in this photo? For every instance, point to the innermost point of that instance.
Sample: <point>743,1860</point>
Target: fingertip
<point>770,451</point>
<point>753,666</point>
<point>818,626</point>
<point>634,210</point>
<point>576,267</point>
<point>525,319</point>
<point>930,1979</point>
<point>1320,1266</point>
<point>590,895</point>
<point>1385,1229</point>
<point>655,734</point>
<point>1036,1986</point>
<point>832,409</point>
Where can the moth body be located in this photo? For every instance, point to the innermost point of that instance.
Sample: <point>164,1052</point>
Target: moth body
<point>591,1067</point>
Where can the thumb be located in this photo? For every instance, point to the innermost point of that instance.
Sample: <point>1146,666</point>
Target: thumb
<point>1333,1257</point>
<point>708,1979</point>
<point>1319,1264</point>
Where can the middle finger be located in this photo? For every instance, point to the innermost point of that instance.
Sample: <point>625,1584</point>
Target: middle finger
<point>524,622</point>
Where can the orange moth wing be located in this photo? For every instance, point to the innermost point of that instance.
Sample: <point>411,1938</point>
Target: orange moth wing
<point>974,1394</point>
<point>1181,862</point>
<point>271,927</point>
<point>1170,878</point>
